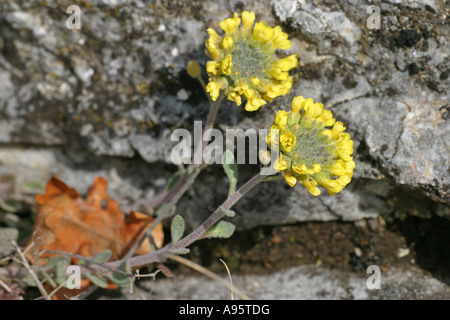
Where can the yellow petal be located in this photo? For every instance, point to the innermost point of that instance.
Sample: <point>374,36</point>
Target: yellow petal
<point>349,166</point>
<point>311,186</point>
<point>300,168</point>
<point>280,39</point>
<point>281,119</point>
<point>245,90</point>
<point>338,168</point>
<point>213,88</point>
<point>313,110</point>
<point>262,32</point>
<point>255,81</point>
<point>272,136</point>
<point>280,164</point>
<point>289,178</point>
<point>297,104</point>
<point>287,141</point>
<point>230,25</point>
<point>213,35</point>
<point>338,128</point>
<point>316,168</point>
<point>226,64</point>
<point>212,67</point>
<point>227,43</point>
<point>278,74</point>
<point>234,96</point>
<point>287,63</point>
<point>254,103</point>
<point>211,47</point>
<point>247,19</point>
<point>332,186</point>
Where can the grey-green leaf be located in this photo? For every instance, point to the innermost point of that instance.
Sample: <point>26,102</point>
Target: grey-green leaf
<point>100,257</point>
<point>6,235</point>
<point>28,280</point>
<point>227,212</point>
<point>119,278</point>
<point>44,275</point>
<point>173,180</point>
<point>179,251</point>
<point>61,271</point>
<point>10,205</point>
<point>223,229</point>
<point>55,261</point>
<point>33,186</point>
<point>177,228</point>
<point>102,283</point>
<point>230,167</point>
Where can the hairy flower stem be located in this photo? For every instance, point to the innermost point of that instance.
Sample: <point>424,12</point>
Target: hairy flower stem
<point>195,235</point>
<point>183,185</point>
<point>213,110</point>
<point>179,186</point>
<point>200,79</point>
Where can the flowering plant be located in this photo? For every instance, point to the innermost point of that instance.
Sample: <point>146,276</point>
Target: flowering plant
<point>306,146</point>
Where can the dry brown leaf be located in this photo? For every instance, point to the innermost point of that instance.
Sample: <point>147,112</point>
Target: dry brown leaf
<point>67,222</point>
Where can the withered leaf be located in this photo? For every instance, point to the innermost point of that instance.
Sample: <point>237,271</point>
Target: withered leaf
<point>86,226</point>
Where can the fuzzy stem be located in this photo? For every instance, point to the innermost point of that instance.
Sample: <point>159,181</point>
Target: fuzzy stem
<point>195,235</point>
<point>182,187</point>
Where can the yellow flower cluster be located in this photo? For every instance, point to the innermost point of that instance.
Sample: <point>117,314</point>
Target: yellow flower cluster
<point>309,152</point>
<point>244,62</point>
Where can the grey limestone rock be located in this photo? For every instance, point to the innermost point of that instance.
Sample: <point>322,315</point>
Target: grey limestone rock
<point>104,100</point>
<point>118,88</point>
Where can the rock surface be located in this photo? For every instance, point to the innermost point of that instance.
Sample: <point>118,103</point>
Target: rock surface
<point>118,87</point>
<point>104,100</point>
<point>300,283</point>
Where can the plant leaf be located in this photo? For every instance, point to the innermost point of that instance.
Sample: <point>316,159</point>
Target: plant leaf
<point>177,228</point>
<point>61,271</point>
<point>53,261</point>
<point>230,167</point>
<point>223,230</point>
<point>227,212</point>
<point>119,278</point>
<point>28,281</point>
<point>66,221</point>
<point>89,226</point>
<point>52,282</point>
<point>59,263</point>
<point>6,235</point>
<point>33,186</point>
<point>10,205</point>
<point>102,283</point>
<point>100,257</point>
<point>179,251</point>
<point>162,208</point>
<point>173,180</point>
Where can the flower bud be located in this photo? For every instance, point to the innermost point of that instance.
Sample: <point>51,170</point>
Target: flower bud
<point>193,69</point>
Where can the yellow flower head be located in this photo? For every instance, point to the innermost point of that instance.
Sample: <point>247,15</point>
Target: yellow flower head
<point>245,57</point>
<point>310,153</point>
